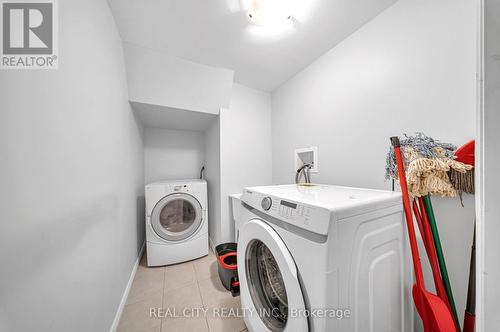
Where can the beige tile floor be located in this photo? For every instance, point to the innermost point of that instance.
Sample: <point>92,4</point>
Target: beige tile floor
<point>193,284</point>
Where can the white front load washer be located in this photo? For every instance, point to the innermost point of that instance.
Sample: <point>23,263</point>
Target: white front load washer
<point>323,258</point>
<point>176,221</point>
<point>235,200</point>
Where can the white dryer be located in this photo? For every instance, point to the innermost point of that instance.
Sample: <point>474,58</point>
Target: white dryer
<point>176,221</point>
<point>323,258</point>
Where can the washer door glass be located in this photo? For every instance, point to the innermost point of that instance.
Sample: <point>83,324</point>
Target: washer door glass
<point>269,280</point>
<point>176,217</point>
<point>266,285</point>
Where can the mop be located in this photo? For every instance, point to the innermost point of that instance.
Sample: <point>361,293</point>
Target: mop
<point>428,164</point>
<point>434,312</point>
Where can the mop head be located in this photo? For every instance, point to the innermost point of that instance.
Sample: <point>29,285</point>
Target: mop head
<point>464,182</point>
<point>427,163</point>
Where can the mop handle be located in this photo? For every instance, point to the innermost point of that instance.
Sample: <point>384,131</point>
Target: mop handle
<point>440,255</point>
<point>419,276</point>
<point>438,281</point>
<point>470,308</point>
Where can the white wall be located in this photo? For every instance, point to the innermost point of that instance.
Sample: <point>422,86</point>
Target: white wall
<point>213,177</point>
<point>172,154</point>
<point>71,194</point>
<point>410,69</point>
<point>488,164</point>
<point>157,78</point>
<point>245,136</point>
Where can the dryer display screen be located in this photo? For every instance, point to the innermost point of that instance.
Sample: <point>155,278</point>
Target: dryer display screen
<point>290,205</point>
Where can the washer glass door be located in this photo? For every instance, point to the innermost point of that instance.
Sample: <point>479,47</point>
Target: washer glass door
<point>269,282</point>
<point>266,285</point>
<point>176,217</point>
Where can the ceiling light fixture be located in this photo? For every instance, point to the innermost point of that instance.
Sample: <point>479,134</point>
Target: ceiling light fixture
<point>269,13</point>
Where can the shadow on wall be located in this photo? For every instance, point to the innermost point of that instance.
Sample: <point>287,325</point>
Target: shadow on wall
<point>141,221</point>
<point>59,234</point>
<point>56,256</point>
<point>52,255</point>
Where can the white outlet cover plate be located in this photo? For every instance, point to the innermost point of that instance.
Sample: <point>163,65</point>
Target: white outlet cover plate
<point>298,162</point>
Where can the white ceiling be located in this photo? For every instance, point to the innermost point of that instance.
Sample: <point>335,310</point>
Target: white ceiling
<point>219,33</point>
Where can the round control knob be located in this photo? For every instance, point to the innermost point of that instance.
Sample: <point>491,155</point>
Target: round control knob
<point>266,203</point>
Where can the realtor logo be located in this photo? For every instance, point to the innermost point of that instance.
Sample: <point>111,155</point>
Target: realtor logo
<point>29,34</point>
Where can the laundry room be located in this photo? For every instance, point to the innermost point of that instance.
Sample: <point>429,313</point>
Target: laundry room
<point>249,165</point>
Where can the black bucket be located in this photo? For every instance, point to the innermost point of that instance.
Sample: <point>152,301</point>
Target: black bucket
<point>227,265</point>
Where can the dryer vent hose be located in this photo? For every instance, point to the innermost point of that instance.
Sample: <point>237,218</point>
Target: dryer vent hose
<point>202,170</point>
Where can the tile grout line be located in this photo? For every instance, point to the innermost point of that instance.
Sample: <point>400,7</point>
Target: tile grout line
<point>201,297</point>
<point>197,280</point>
<point>163,295</point>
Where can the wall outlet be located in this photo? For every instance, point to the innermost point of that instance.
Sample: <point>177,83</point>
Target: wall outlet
<point>307,156</point>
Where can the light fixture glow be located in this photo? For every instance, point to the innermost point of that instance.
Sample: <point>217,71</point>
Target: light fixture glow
<point>269,13</point>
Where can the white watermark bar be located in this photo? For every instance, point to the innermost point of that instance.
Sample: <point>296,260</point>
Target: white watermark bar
<point>196,312</point>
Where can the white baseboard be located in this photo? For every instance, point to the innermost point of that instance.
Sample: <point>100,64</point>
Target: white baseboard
<point>211,244</point>
<point>119,312</point>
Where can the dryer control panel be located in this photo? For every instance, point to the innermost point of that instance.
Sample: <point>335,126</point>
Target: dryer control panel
<point>312,218</point>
